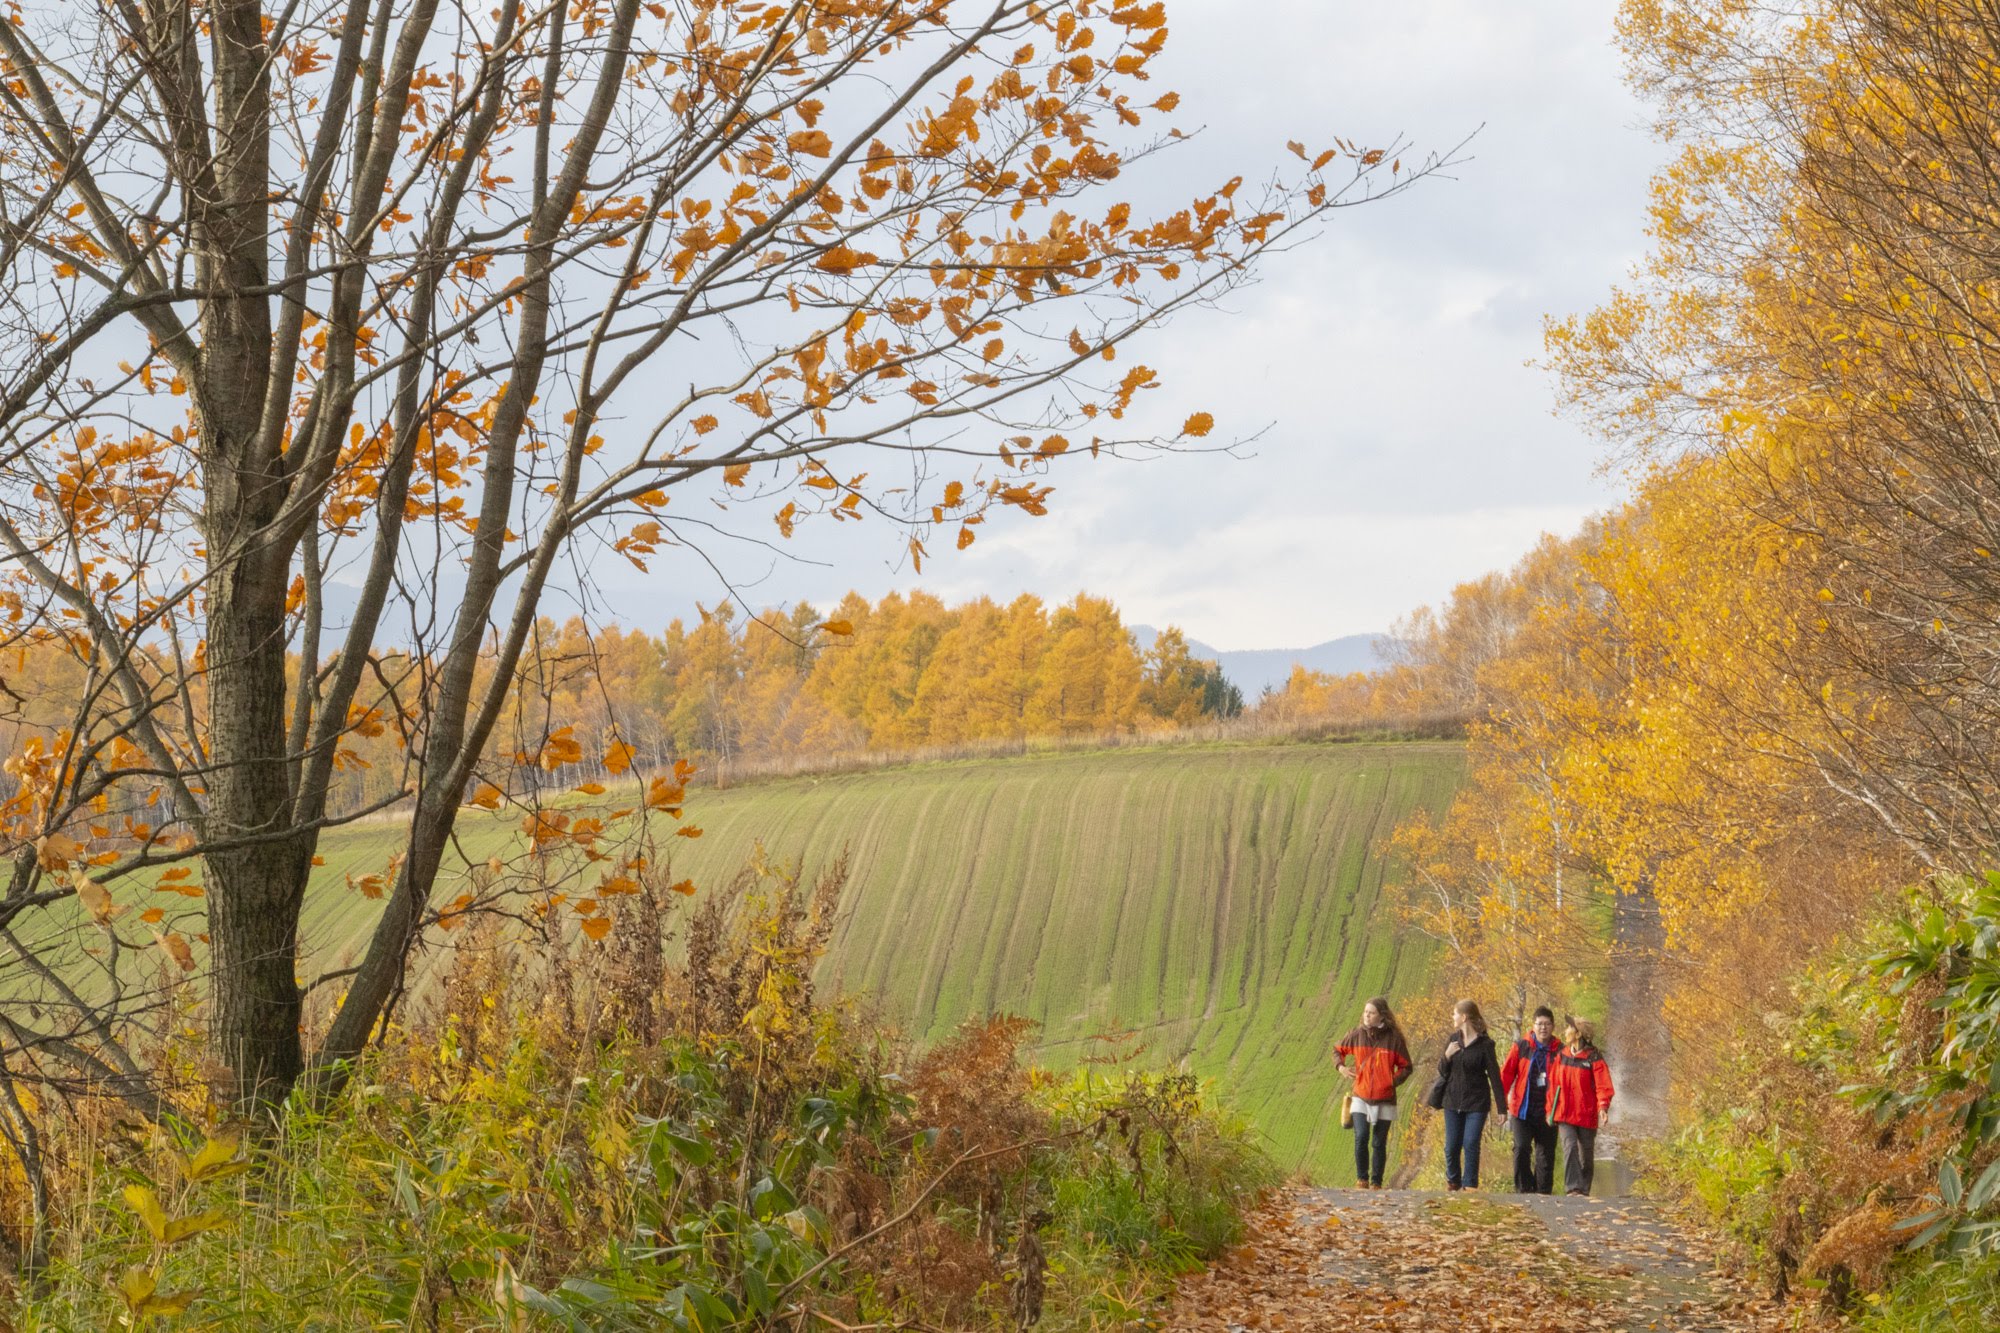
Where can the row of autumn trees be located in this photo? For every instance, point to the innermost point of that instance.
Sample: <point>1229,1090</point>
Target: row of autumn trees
<point>904,674</point>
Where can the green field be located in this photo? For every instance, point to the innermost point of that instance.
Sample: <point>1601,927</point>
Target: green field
<point>1221,902</point>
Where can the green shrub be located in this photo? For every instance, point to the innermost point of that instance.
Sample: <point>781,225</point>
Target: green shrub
<point>1958,1297</point>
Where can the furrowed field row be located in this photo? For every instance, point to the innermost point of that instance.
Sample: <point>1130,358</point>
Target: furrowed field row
<point>1222,905</point>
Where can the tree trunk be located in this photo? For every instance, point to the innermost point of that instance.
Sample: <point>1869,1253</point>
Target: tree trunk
<point>255,889</point>
<point>256,884</point>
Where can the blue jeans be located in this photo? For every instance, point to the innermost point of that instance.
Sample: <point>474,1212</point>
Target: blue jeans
<point>1367,1137</point>
<point>1461,1140</point>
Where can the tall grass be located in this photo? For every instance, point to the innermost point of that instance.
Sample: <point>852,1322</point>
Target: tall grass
<point>617,1139</point>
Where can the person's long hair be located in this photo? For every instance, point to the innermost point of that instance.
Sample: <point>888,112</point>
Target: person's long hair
<point>1388,1015</point>
<point>1469,1010</point>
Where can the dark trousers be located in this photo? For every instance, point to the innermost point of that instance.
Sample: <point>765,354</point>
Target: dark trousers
<point>1365,1135</point>
<point>1534,1156</point>
<point>1579,1158</point>
<point>1461,1147</point>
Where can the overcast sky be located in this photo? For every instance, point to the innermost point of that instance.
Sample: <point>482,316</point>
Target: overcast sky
<point>1406,446</point>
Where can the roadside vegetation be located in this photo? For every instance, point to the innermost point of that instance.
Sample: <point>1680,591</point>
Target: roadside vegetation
<point>571,1137</point>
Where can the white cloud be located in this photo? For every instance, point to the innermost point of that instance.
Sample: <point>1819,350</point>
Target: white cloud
<point>1406,446</point>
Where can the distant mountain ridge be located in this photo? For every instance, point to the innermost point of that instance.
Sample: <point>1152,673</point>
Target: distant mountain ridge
<point>1253,670</point>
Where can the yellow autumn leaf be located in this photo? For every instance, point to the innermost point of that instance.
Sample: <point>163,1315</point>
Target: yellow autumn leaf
<point>57,850</point>
<point>181,1228</point>
<point>162,1306</point>
<point>95,898</point>
<point>217,1155</point>
<point>136,1285</point>
<point>142,1200</point>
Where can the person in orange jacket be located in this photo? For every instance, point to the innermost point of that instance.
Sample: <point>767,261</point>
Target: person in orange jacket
<point>1525,1074</point>
<point>1381,1061</point>
<point>1579,1098</point>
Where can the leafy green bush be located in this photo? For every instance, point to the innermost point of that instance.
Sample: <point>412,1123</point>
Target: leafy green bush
<point>1734,1173</point>
<point>1166,1175</point>
<point>1936,1063</point>
<point>1857,1147</point>
<point>1955,1297</point>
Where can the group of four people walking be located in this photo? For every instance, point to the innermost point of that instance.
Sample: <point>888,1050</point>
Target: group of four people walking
<point>1553,1093</point>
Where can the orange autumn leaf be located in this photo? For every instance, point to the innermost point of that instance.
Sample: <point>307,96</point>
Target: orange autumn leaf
<point>452,917</point>
<point>1198,425</point>
<point>560,750</point>
<point>178,949</point>
<point>840,259</point>
<point>813,143</point>
<point>596,927</point>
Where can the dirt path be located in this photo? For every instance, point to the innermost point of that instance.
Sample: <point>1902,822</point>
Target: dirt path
<point>1636,1040</point>
<point>1349,1261</point>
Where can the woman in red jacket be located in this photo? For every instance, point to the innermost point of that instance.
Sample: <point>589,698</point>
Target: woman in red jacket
<point>1381,1061</point>
<point>1579,1099</point>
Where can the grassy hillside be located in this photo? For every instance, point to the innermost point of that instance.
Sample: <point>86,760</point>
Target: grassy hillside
<point>1218,901</point>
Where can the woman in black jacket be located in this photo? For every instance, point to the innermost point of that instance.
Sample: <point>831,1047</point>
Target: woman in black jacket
<point>1471,1071</point>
